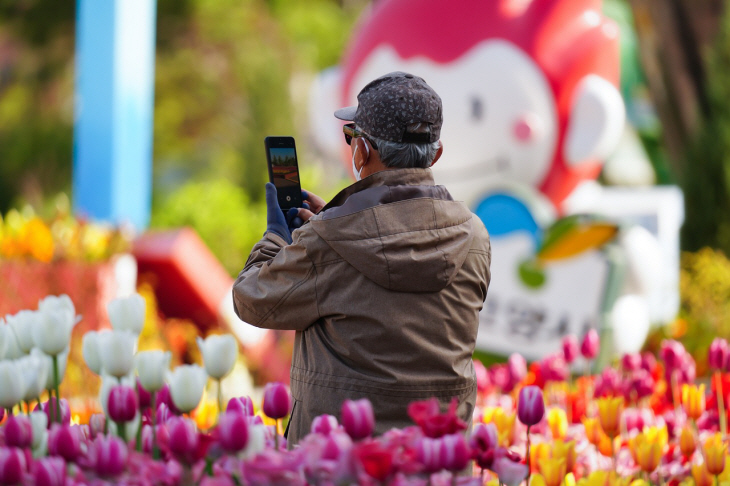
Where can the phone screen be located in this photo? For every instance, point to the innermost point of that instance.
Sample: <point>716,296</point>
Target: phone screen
<point>284,171</point>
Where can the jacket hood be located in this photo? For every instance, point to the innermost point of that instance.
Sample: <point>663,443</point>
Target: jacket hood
<point>399,230</point>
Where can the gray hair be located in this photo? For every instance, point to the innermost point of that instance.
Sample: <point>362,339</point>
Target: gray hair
<point>407,155</point>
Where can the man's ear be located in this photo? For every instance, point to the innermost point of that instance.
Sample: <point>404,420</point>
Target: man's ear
<point>438,153</point>
<point>362,152</point>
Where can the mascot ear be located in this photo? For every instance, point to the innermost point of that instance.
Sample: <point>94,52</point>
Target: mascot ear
<point>596,121</point>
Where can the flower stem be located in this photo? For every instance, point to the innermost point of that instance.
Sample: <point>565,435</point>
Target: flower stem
<point>56,388</point>
<point>122,431</point>
<point>527,457</point>
<point>153,403</point>
<point>220,396</point>
<point>721,404</point>
<point>276,435</point>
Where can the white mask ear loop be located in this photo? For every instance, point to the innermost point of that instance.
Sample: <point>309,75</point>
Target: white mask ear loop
<point>356,172</point>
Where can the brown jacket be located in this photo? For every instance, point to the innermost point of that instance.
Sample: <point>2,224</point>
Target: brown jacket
<point>384,288</point>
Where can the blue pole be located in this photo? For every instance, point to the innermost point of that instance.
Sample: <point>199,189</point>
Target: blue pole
<point>115,67</point>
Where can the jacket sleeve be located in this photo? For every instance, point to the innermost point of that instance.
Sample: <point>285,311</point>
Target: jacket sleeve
<point>277,287</point>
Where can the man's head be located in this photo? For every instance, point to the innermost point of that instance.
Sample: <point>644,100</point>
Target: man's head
<point>399,116</point>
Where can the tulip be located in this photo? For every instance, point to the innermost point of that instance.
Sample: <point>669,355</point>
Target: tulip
<point>219,354</point>
<point>428,453</point>
<point>64,441</point>
<point>39,427</point>
<point>6,335</point>
<point>12,465</point>
<point>55,366</point>
<point>701,476</point>
<point>718,356</point>
<point>557,420</point>
<point>35,375</point>
<point>648,455</point>
<point>609,415</point>
<point>687,442</point>
<point>570,348</point>
<point>530,405</point>
<point>243,405</point>
<point>122,405</point>
<point>505,423</point>
<point>714,451</point>
<point>592,430</point>
<point>49,471</point>
<point>693,400</point>
<point>116,352</point>
<point>590,345</point>
<point>277,400</point>
<point>187,383</point>
<point>18,431</point>
<point>52,330</point>
<point>483,442</point>
<point>455,452</point>
<point>21,325</point>
<point>144,397</point>
<point>127,313</point>
<point>631,361</point>
<point>358,418</point>
<point>324,424</point>
<point>108,455</point>
<point>565,450</point>
<point>12,387</point>
<point>233,431</point>
<point>554,368</point>
<point>509,471</point>
<point>183,436</point>
<point>90,350</point>
<point>553,470</point>
<point>152,367</point>
<point>483,380</point>
<point>163,414</point>
<point>97,424</point>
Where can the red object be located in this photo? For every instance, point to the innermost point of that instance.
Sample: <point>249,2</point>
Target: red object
<point>189,281</point>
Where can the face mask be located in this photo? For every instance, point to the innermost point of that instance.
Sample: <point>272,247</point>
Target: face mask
<point>356,172</point>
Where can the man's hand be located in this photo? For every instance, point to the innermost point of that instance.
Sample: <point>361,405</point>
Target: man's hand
<point>313,205</point>
<point>275,221</point>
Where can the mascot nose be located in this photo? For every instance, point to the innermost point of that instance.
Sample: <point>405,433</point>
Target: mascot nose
<point>526,127</point>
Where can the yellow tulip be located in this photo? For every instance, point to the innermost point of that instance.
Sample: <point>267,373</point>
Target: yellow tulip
<point>687,442</point>
<point>558,422</point>
<point>609,414</point>
<point>701,476</point>
<point>604,478</point>
<point>504,422</point>
<point>607,445</point>
<point>565,450</point>
<point>593,430</point>
<point>693,400</point>
<point>714,451</point>
<point>649,454</point>
<point>537,480</point>
<point>552,470</point>
<point>538,451</point>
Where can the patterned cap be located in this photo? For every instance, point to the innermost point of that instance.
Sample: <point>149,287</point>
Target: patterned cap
<point>389,104</point>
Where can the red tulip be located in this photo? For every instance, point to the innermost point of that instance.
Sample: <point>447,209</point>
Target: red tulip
<point>277,401</point>
<point>531,405</point>
<point>426,414</point>
<point>358,418</point>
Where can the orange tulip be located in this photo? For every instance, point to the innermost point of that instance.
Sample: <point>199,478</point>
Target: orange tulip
<point>593,430</point>
<point>693,400</point>
<point>701,476</point>
<point>714,451</point>
<point>648,454</point>
<point>552,471</point>
<point>609,414</point>
<point>687,442</point>
<point>606,446</point>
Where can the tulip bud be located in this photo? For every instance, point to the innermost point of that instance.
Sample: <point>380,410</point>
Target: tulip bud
<point>717,354</point>
<point>609,415</point>
<point>242,405</point>
<point>358,418</point>
<point>517,367</point>
<point>687,442</point>
<point>631,362</point>
<point>12,387</point>
<point>589,346</point>
<point>233,431</point>
<point>152,366</point>
<point>324,424</point>
<point>64,441</point>
<point>530,405</point>
<point>51,406</point>
<point>714,452</point>
<point>219,354</point>
<point>483,441</point>
<point>127,314</point>
<point>183,436</point>
<point>693,400</point>
<point>18,431</point>
<point>109,455</point>
<point>12,465</point>
<point>122,403</point>
<point>187,383</point>
<point>96,424</point>
<point>49,471</point>
<point>277,401</point>
<point>570,348</point>
<point>52,330</point>
<point>21,327</point>
<point>455,453</point>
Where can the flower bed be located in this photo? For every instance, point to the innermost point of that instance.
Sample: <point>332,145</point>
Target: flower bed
<point>646,420</point>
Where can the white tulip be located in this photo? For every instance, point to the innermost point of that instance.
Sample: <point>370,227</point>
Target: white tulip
<point>116,352</point>
<point>22,325</point>
<point>127,314</point>
<point>61,361</point>
<point>5,336</point>
<point>35,374</point>
<point>52,331</point>
<point>219,354</point>
<point>10,347</point>
<point>90,349</point>
<point>187,383</point>
<point>152,367</point>
<point>12,387</point>
<point>256,441</point>
<point>130,428</point>
<point>39,426</point>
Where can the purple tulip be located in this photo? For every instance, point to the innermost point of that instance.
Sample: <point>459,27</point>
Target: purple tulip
<point>18,431</point>
<point>590,345</point>
<point>233,431</point>
<point>483,442</point>
<point>97,423</point>
<point>64,441</point>
<point>122,404</point>
<point>49,471</point>
<point>144,397</point>
<point>147,439</point>
<point>631,362</point>
<point>358,418</point>
<point>163,396</point>
<point>570,348</point>
<point>455,452</point>
<point>108,455</point>
<point>324,424</point>
<point>672,353</point>
<point>717,354</point>
<point>509,470</point>
<point>530,405</point>
<point>428,453</point>
<point>183,436</point>
<point>242,405</point>
<point>65,411</point>
<point>163,414</point>
<point>13,465</point>
<point>517,367</point>
<point>277,401</point>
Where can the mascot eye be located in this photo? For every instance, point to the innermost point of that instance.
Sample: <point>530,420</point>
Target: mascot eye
<point>477,108</point>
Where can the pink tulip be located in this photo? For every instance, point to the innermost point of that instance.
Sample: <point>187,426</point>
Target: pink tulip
<point>277,401</point>
<point>717,354</point>
<point>65,411</point>
<point>233,431</point>
<point>163,396</point>
<point>97,422</point>
<point>590,345</point>
<point>49,471</point>
<point>530,405</point>
<point>427,415</point>
<point>18,431</point>
<point>517,367</point>
<point>570,348</point>
<point>509,471</point>
<point>183,436</point>
<point>428,453</point>
<point>358,418</point>
<point>13,465</point>
<point>483,381</point>
<point>216,481</point>
<point>122,404</point>
<point>163,414</point>
<point>64,441</point>
<point>500,377</point>
<point>455,452</point>
<point>648,362</point>
<point>554,368</point>
<point>631,362</point>
<point>483,441</point>
<point>108,455</point>
<point>672,353</point>
<point>144,397</point>
<point>608,383</point>
<point>324,424</point>
<point>242,405</point>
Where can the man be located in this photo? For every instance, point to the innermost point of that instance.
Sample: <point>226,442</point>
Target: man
<point>385,283</point>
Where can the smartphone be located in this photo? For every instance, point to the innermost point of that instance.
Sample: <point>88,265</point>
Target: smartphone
<point>281,155</point>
